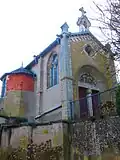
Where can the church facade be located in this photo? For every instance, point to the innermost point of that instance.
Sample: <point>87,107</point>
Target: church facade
<point>49,88</point>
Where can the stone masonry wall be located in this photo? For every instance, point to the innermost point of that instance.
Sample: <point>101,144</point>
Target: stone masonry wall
<point>21,136</point>
<point>97,140</point>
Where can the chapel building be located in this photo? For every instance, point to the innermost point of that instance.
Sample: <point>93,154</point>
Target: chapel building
<point>54,85</point>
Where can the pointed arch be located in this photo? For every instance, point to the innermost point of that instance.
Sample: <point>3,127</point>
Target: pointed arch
<point>52,70</point>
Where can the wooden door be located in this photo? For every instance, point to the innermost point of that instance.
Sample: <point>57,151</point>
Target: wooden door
<point>83,102</point>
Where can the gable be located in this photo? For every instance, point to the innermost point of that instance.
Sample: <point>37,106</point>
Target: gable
<point>75,38</point>
<point>87,37</point>
<point>99,60</point>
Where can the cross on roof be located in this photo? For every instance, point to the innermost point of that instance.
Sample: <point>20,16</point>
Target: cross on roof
<point>22,65</point>
<point>82,11</point>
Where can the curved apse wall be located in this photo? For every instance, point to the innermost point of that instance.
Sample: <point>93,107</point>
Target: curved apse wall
<point>20,82</point>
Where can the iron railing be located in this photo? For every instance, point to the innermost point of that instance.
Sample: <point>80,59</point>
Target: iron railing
<point>94,105</point>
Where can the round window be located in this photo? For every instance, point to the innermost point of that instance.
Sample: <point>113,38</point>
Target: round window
<point>89,50</point>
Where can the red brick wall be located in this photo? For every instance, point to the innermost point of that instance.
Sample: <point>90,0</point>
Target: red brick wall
<point>20,82</point>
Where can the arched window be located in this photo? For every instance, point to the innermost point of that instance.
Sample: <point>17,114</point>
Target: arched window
<point>52,69</point>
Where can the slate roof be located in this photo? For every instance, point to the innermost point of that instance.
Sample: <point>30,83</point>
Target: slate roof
<point>20,70</point>
<point>57,41</point>
<point>44,52</point>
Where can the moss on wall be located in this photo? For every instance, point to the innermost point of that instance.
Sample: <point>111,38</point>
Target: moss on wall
<point>104,67</point>
<point>80,59</point>
<point>12,103</point>
<point>48,144</point>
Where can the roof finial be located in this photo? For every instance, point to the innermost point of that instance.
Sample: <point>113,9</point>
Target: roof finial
<point>22,65</point>
<point>83,21</point>
<point>82,11</point>
<point>64,27</point>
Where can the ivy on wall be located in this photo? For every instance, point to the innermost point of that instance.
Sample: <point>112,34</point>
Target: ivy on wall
<point>44,151</point>
<point>105,68</point>
<point>96,138</point>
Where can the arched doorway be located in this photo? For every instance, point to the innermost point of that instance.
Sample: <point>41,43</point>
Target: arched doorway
<point>90,84</point>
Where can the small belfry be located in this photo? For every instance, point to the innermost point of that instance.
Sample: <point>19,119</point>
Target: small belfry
<point>83,22</point>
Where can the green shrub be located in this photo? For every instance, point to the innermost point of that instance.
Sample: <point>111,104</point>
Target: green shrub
<point>118,100</point>
<point>44,151</point>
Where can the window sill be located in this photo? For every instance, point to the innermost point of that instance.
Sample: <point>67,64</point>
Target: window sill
<point>48,88</point>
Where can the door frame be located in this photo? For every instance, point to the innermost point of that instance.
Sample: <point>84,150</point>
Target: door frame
<point>88,86</point>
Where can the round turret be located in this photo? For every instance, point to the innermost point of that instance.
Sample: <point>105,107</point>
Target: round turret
<point>20,79</point>
<point>18,90</point>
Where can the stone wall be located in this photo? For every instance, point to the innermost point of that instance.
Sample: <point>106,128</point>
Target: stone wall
<point>55,115</point>
<point>19,104</point>
<point>21,136</point>
<point>97,140</point>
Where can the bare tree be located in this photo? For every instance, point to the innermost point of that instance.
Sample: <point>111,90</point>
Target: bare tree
<point>109,18</point>
<point>108,21</point>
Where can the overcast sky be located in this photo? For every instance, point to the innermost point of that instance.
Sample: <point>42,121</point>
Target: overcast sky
<point>28,26</point>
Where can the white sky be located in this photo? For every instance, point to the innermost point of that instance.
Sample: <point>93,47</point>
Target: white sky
<point>29,26</point>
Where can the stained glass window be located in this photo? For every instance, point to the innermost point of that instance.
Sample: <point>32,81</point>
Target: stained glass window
<point>52,69</point>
